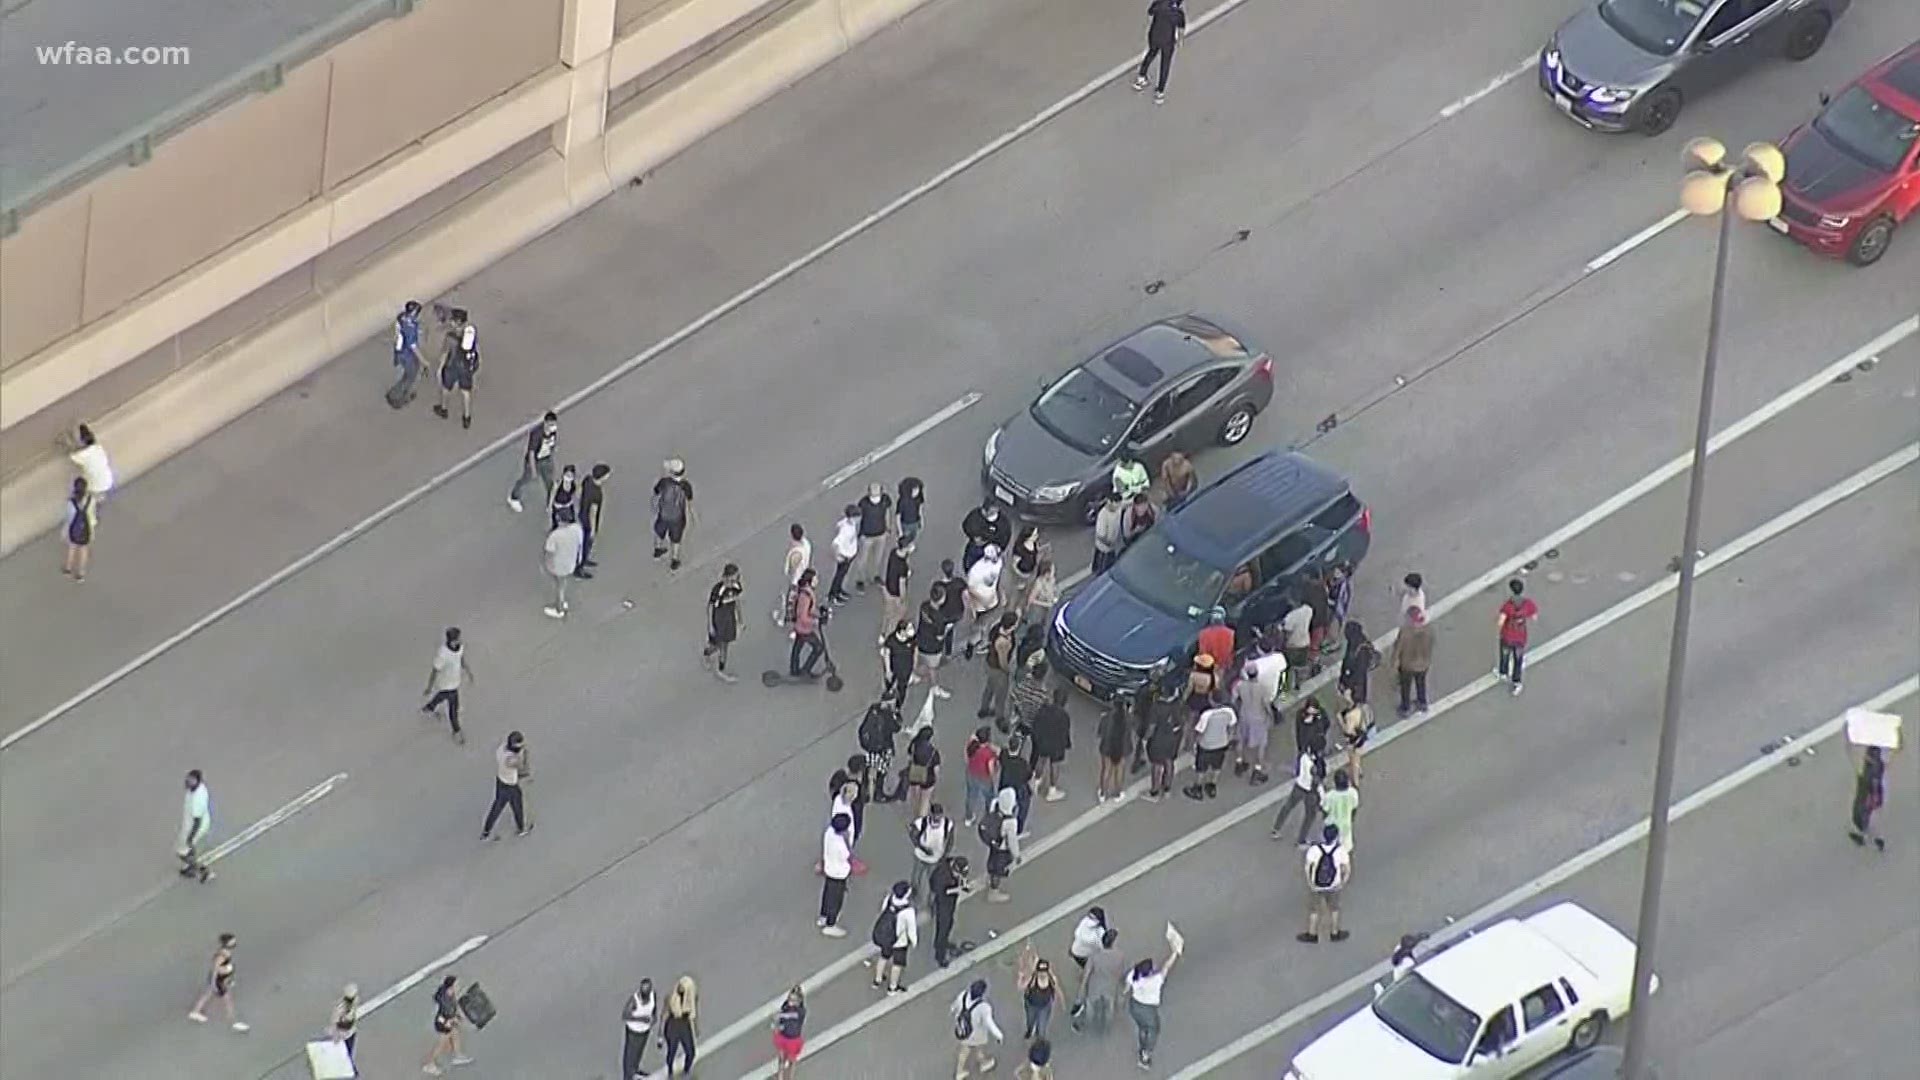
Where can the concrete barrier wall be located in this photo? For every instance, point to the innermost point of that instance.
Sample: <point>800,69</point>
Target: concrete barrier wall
<point>588,158</point>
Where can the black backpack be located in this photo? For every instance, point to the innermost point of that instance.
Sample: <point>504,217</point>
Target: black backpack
<point>877,728</point>
<point>885,937</point>
<point>993,828</point>
<point>1325,870</point>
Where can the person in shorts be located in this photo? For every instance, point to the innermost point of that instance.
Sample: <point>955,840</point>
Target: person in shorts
<point>672,511</point>
<point>220,975</point>
<point>932,638</point>
<point>446,1028</point>
<point>1212,735</point>
<point>459,365</point>
<point>81,522</point>
<point>1328,866</point>
<point>789,1033</point>
<point>723,621</point>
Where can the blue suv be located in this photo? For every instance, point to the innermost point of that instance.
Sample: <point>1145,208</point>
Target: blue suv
<point>1244,542</point>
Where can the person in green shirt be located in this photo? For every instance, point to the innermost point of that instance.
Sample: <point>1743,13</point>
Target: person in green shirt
<point>1130,478</point>
<point>1338,804</point>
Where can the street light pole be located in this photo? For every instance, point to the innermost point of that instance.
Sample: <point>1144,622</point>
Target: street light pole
<point>1752,181</point>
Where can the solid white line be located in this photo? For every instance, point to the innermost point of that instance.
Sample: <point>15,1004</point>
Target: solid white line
<point>1553,878</point>
<point>126,910</point>
<point>1495,83</point>
<point>445,960</point>
<point>875,455</point>
<point>1618,251</point>
<point>728,307</point>
<point>752,1022</point>
<point>1262,803</point>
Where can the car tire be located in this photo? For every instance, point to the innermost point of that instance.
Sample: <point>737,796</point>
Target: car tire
<point>1587,1032</point>
<point>1808,35</point>
<point>1238,425</point>
<point>1660,111</point>
<point>1871,241</point>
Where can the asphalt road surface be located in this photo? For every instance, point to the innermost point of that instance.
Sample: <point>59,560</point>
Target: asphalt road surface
<point>1471,287</point>
<point>54,113</point>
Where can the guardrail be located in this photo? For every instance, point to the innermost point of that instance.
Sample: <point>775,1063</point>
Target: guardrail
<point>135,146</point>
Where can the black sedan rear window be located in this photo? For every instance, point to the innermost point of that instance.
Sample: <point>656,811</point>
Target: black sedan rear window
<point>1084,412</point>
<point>1865,128</point>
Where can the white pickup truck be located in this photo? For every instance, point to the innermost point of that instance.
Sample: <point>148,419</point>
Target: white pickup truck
<point>1488,1008</point>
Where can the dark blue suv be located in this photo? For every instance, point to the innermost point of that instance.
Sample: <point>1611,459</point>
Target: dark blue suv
<point>1243,542</point>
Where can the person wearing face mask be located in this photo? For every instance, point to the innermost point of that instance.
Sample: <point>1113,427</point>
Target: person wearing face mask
<point>565,493</point>
<point>984,526</point>
<point>875,526</point>
<point>983,596</point>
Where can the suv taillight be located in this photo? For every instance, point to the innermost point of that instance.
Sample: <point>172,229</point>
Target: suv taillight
<point>1366,520</point>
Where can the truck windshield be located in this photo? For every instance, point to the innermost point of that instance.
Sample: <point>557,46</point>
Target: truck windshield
<point>1428,1019</point>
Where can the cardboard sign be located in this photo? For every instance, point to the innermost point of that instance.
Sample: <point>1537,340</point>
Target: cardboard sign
<point>328,1060</point>
<point>1873,729</point>
<point>1175,940</point>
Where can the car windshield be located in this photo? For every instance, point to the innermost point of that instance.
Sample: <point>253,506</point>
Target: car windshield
<point>1157,571</point>
<point>1865,128</point>
<point>1427,1018</point>
<point>1084,412</point>
<point>1655,26</point>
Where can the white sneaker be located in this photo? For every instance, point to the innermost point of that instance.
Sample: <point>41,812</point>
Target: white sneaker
<point>197,1017</point>
<point>514,504</point>
<point>834,931</point>
<point>1119,796</point>
<point>460,1061</point>
<point>1159,97</point>
<point>242,1026</point>
<point>942,694</point>
<point>1140,82</point>
<point>1516,689</point>
<point>431,1069</point>
<point>554,612</point>
<point>1055,794</point>
<point>1102,798</point>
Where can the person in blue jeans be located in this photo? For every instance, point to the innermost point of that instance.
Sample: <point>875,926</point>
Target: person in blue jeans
<point>983,773</point>
<point>1144,984</point>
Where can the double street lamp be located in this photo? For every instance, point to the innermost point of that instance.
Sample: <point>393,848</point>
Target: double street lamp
<point>1752,187</point>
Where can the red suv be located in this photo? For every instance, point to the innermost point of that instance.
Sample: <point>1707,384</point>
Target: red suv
<point>1852,174</point>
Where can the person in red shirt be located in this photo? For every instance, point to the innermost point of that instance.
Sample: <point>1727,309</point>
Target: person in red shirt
<point>983,773</point>
<point>1217,640</point>
<point>1516,615</point>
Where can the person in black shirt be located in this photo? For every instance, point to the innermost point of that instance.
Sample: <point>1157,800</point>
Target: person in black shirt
<point>953,599</point>
<point>537,458</point>
<point>906,508</point>
<point>933,637</point>
<point>1016,772</point>
<point>948,879</point>
<point>984,526</point>
<point>593,495</point>
<point>1166,25</point>
<point>459,364</point>
<point>565,495</point>
<point>723,621</point>
<point>896,660</point>
<point>1052,737</point>
<point>876,523</point>
<point>893,582</point>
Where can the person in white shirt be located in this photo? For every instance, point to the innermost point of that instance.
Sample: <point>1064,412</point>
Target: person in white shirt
<point>88,456</point>
<point>443,681</point>
<point>563,558</point>
<point>1255,701</point>
<point>1305,794</point>
<point>974,1028</point>
<point>1087,935</point>
<point>1212,733</point>
<point>1145,984</point>
<point>983,595</point>
<point>1328,866</point>
<point>846,546</point>
<point>799,558</point>
<point>641,1011</point>
<point>1298,627</point>
<point>836,866</point>
<point>1413,594</point>
<point>932,836</point>
<point>196,821</point>
<point>895,933</point>
<point>512,763</point>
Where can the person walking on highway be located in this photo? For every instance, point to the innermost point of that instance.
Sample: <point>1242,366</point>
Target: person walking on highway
<point>1297,634</point>
<point>1304,794</point>
<point>562,559</point>
<point>593,498</point>
<point>723,621</point>
<point>799,558</point>
<point>983,773</point>
<point>836,866</point>
<point>444,679</point>
<point>932,837</point>
<point>1039,993</point>
<point>536,459</point>
<point>922,772</point>
<point>83,519</point>
<point>897,654</point>
<point>1412,658</point>
<point>984,526</point>
<point>681,1023</point>
<point>196,821</point>
<point>1340,590</point>
<point>1357,664</point>
<point>1313,592</point>
<point>1023,557</point>
<point>999,683</point>
<point>1051,728</point>
<point>1413,593</point>
<point>446,1028</point>
<point>512,766</point>
<point>1339,802</point>
<point>953,600</point>
<point>846,549</point>
<point>1328,866</point>
<point>895,933</point>
<point>1086,938</point>
<point>1212,734</point>
<point>1145,984</point>
<point>1000,832</point>
<point>406,355</point>
<point>1869,793</point>
<point>1115,736</point>
<point>459,365</point>
<point>1517,613</point>
<point>974,1029</point>
<point>1101,988</point>
<point>930,636</point>
<point>345,1018</point>
<point>564,495</point>
<point>672,511</point>
<point>946,883</point>
<point>1310,726</point>
<point>638,1019</point>
<point>895,578</point>
<point>983,598</point>
<point>1166,25</point>
<point>220,979</point>
<point>1255,712</point>
<point>1108,539</point>
<point>908,507</point>
<point>806,629</point>
<point>789,1033</point>
<point>1016,776</point>
<point>876,526</point>
<point>1163,746</point>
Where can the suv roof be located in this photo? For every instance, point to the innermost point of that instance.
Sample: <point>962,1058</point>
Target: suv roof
<point>1897,77</point>
<point>1232,519</point>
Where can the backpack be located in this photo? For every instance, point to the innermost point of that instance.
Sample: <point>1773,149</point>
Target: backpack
<point>673,502</point>
<point>876,729</point>
<point>885,928</point>
<point>1325,870</point>
<point>993,828</point>
<point>963,1016</point>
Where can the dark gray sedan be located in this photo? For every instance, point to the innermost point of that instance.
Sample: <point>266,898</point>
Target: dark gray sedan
<point>1630,65</point>
<point>1178,384</point>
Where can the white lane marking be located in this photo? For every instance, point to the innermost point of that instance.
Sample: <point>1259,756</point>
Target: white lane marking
<point>1498,81</point>
<point>725,308</point>
<point>246,836</point>
<point>1260,804</point>
<point>1553,878</point>
<point>752,1022</point>
<point>875,455</point>
<point>445,960</point>
<point>1619,251</point>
